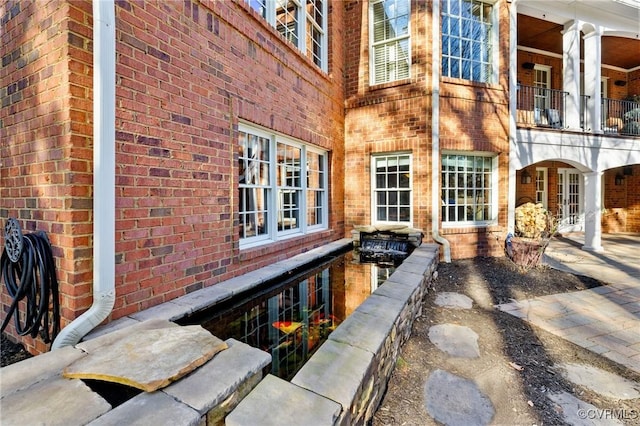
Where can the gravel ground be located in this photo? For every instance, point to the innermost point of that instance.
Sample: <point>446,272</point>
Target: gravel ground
<point>518,363</point>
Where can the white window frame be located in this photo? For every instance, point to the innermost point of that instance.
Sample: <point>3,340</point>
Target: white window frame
<point>375,190</point>
<point>446,191</point>
<point>304,19</point>
<point>388,42</point>
<point>493,57</point>
<point>542,186</point>
<point>274,190</point>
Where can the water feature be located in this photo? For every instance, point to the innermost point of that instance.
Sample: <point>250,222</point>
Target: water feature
<point>384,247</point>
<point>292,319</point>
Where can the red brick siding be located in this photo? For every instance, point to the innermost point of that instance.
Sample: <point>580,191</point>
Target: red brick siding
<point>385,118</point>
<point>397,117</point>
<point>46,153</point>
<point>187,72</point>
<point>183,90</point>
<point>621,202</point>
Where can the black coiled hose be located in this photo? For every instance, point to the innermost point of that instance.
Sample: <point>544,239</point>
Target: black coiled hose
<point>30,274</point>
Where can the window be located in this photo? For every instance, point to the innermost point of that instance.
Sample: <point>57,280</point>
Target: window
<point>391,188</point>
<point>542,83</point>
<point>469,189</point>
<point>390,41</point>
<point>541,186</point>
<point>302,22</point>
<point>282,187</point>
<point>468,37</point>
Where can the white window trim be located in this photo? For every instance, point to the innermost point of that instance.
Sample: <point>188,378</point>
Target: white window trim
<point>372,73</point>
<point>545,182</point>
<point>274,234</point>
<point>301,18</point>
<point>494,191</point>
<point>374,204</point>
<point>494,40</point>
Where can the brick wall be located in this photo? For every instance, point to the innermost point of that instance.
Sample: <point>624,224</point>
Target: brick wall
<point>397,117</point>
<point>46,148</point>
<point>194,81</point>
<point>385,118</point>
<point>187,73</point>
<point>621,202</point>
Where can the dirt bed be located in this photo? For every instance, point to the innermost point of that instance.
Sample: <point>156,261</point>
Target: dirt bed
<point>517,367</point>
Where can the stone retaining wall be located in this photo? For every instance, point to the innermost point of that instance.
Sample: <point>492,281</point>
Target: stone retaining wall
<point>345,380</point>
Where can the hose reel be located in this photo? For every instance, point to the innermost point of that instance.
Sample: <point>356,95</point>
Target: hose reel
<point>28,271</point>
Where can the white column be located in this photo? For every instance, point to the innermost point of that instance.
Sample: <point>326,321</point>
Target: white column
<point>513,102</point>
<point>592,211</point>
<point>571,74</point>
<point>592,77</point>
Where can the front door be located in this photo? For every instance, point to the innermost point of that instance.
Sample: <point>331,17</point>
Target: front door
<point>570,206</point>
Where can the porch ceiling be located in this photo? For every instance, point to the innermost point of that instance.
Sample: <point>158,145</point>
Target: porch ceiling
<point>546,35</point>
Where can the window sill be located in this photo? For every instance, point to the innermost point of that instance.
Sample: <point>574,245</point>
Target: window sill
<point>471,83</point>
<point>465,228</point>
<point>381,86</point>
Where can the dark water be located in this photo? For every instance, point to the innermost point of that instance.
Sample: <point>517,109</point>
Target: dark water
<point>291,320</point>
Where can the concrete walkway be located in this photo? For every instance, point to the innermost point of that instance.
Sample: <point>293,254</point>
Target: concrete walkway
<point>604,320</point>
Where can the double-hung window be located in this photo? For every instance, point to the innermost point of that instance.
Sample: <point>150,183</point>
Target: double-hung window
<point>469,189</point>
<point>390,40</point>
<point>468,39</point>
<point>302,22</point>
<point>391,188</point>
<point>282,187</point>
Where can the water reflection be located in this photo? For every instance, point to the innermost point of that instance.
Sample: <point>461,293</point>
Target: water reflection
<point>291,321</point>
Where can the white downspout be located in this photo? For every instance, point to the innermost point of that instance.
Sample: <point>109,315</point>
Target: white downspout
<point>104,101</point>
<point>436,202</point>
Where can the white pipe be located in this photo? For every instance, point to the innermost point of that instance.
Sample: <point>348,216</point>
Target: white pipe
<point>104,101</point>
<point>436,201</point>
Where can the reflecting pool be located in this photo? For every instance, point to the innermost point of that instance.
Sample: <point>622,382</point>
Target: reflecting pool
<point>292,319</point>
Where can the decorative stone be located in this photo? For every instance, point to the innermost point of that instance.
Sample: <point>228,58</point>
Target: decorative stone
<point>455,340</point>
<point>455,401</point>
<point>149,359</point>
<point>453,300</point>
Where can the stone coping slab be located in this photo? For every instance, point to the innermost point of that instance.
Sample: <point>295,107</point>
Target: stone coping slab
<point>282,403</point>
<point>212,383</point>
<point>156,408</point>
<point>336,371</point>
<point>364,331</point>
<point>21,375</point>
<point>55,401</point>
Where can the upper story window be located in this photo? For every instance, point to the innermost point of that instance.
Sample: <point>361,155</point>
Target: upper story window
<point>282,187</point>
<point>390,40</point>
<point>302,22</point>
<point>468,40</point>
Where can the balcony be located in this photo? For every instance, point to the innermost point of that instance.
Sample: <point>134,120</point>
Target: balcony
<point>543,108</point>
<point>620,117</point>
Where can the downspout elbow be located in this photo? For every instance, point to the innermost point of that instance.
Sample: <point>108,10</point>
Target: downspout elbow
<point>81,326</point>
